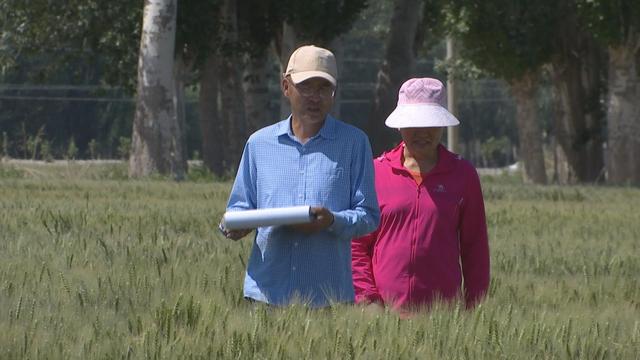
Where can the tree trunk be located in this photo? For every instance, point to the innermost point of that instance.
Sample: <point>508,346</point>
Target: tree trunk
<point>397,66</point>
<point>212,129</point>
<point>453,135</point>
<point>577,80</point>
<point>285,44</point>
<point>337,47</point>
<point>623,115</point>
<point>529,133</point>
<point>232,113</point>
<point>256,92</point>
<point>180,75</point>
<point>156,138</point>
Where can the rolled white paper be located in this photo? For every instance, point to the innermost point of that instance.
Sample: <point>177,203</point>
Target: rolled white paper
<point>250,219</point>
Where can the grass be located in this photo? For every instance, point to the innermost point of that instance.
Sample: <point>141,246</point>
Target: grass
<point>96,266</point>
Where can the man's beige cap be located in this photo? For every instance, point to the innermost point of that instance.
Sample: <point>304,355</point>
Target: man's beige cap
<point>311,61</point>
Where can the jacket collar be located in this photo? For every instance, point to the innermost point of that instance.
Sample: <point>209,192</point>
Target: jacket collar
<point>446,159</point>
<point>328,129</point>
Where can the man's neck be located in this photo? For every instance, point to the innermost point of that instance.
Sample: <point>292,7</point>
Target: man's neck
<point>304,131</point>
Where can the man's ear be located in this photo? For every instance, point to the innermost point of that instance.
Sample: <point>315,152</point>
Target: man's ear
<point>284,85</point>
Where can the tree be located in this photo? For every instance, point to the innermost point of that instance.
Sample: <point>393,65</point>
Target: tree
<point>616,24</point>
<point>232,111</point>
<point>258,23</point>
<point>231,91</point>
<point>397,66</point>
<point>512,40</point>
<point>577,69</point>
<point>523,89</point>
<point>157,136</point>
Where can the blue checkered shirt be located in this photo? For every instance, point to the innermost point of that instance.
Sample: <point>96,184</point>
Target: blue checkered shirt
<point>333,169</point>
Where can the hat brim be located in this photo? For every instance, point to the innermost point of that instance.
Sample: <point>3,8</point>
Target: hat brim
<point>306,75</point>
<point>420,115</point>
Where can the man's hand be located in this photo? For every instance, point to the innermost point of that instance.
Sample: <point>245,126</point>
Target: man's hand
<point>233,234</point>
<point>322,219</point>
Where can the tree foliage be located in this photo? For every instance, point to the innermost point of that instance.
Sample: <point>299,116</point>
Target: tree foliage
<point>611,21</point>
<point>95,33</point>
<point>82,31</point>
<point>258,23</point>
<point>321,20</point>
<point>197,31</point>
<point>506,38</point>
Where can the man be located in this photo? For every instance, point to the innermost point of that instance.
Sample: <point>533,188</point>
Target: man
<point>311,159</point>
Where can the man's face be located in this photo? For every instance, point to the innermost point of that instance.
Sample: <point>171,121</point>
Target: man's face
<point>422,140</point>
<point>311,100</point>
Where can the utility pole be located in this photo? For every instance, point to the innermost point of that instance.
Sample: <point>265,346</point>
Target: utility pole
<point>452,131</point>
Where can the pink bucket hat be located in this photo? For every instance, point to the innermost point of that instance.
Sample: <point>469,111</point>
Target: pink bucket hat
<point>422,102</point>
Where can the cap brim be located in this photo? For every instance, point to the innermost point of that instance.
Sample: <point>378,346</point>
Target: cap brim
<point>420,115</point>
<point>306,75</point>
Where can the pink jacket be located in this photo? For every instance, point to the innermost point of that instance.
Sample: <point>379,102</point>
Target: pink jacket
<point>430,237</point>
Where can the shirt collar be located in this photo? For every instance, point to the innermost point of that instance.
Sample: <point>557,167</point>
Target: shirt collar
<point>328,129</point>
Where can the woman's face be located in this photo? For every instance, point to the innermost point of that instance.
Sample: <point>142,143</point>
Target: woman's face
<point>422,141</point>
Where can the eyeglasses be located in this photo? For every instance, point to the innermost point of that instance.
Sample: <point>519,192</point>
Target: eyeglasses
<point>325,91</point>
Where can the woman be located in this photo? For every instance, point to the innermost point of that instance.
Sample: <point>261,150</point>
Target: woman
<point>432,237</point>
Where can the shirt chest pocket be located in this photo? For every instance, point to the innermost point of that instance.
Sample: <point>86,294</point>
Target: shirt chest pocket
<point>332,189</point>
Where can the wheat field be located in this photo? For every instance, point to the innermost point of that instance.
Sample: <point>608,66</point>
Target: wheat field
<point>95,266</point>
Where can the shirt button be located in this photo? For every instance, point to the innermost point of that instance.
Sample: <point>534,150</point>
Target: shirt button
<point>300,196</point>
<point>293,268</point>
<point>295,244</point>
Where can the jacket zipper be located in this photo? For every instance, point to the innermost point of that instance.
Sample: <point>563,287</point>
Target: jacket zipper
<point>414,241</point>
